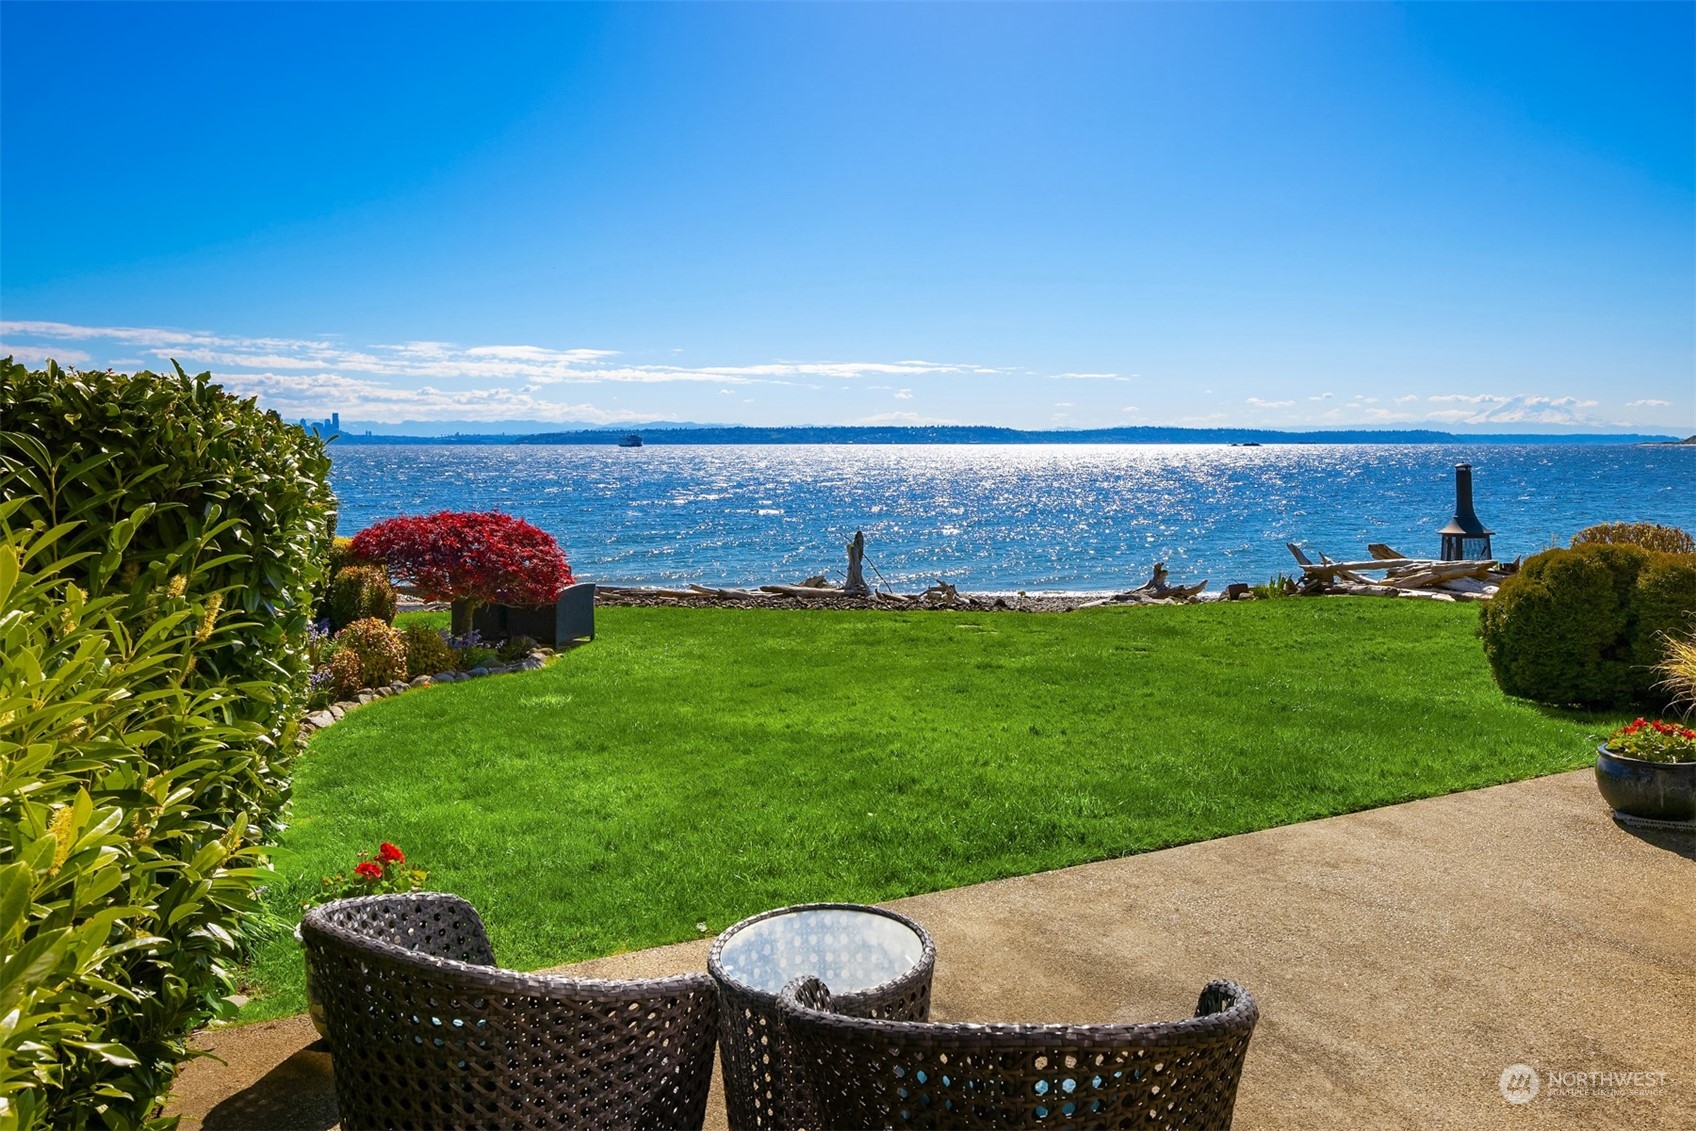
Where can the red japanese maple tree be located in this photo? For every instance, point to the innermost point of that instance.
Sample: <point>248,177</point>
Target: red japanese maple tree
<point>468,557</point>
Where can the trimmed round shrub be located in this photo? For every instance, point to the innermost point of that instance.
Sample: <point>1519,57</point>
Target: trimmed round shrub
<point>1649,535</point>
<point>1665,607</point>
<point>1588,626</point>
<point>346,674</point>
<point>359,592</point>
<point>426,652</point>
<point>381,651</point>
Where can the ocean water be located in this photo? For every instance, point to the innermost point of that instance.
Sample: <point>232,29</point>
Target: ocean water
<point>1009,517</point>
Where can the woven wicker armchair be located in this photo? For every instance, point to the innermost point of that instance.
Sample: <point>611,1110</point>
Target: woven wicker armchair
<point>426,1032</point>
<point>873,1073</point>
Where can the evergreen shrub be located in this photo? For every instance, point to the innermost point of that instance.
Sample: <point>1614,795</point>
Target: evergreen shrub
<point>1588,626</point>
<point>358,592</point>
<point>381,651</point>
<point>160,545</point>
<point>427,653</point>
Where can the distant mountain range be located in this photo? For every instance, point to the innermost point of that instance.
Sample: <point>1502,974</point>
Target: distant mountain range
<point>672,432</point>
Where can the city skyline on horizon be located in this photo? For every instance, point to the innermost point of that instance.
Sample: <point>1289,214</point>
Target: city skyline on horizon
<point>1473,218</point>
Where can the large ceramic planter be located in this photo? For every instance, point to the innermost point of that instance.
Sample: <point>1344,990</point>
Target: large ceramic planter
<point>314,1007</point>
<point>1655,791</point>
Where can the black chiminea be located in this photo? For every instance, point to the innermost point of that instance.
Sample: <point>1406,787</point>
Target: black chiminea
<point>1464,538</point>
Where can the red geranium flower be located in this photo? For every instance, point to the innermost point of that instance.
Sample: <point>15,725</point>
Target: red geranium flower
<point>370,869</point>
<point>389,854</point>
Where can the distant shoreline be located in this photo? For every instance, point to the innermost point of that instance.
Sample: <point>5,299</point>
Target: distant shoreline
<point>970,434</point>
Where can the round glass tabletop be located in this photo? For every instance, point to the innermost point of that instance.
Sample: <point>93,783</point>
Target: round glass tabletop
<point>847,950</point>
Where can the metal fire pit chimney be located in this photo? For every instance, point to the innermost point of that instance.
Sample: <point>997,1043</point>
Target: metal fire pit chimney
<point>1464,538</point>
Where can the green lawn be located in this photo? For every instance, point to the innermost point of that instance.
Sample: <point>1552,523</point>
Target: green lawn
<point>698,765</point>
<point>433,619</point>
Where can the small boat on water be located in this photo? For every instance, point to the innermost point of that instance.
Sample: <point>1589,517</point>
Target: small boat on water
<point>631,441</point>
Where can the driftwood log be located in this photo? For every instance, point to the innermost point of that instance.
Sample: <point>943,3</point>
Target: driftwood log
<point>806,592</point>
<point>1403,576</point>
<point>1155,590</point>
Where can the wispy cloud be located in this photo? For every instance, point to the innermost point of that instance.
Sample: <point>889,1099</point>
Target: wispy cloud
<point>1648,403</point>
<point>427,360</point>
<point>425,379</point>
<point>1258,403</point>
<point>1089,377</point>
<point>37,355</point>
<point>295,395</point>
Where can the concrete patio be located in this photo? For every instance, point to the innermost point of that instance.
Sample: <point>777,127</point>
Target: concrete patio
<point>1403,959</point>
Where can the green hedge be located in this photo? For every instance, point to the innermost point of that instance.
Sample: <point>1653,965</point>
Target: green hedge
<point>160,544</point>
<point>1587,626</point>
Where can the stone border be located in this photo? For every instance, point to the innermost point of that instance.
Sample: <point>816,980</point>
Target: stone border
<point>335,712</point>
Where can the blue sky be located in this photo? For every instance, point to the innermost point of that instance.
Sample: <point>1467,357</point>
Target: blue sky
<point>1281,215</point>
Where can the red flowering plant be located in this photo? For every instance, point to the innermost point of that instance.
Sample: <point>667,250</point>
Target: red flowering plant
<point>468,557</point>
<point>381,873</point>
<point>1652,740</point>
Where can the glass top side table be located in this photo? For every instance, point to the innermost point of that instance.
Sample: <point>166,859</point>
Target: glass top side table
<point>877,963</point>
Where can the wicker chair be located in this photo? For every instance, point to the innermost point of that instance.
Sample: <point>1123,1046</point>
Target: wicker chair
<point>425,1032</point>
<point>873,1073</point>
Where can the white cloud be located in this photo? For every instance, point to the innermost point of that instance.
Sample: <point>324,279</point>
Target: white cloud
<point>1130,408</point>
<point>295,395</point>
<point>1409,399</point>
<point>1648,403</point>
<point>904,394</point>
<point>421,379</point>
<point>433,360</point>
<point>1258,403</point>
<point>1480,398</point>
<point>1087,377</point>
<point>37,356</point>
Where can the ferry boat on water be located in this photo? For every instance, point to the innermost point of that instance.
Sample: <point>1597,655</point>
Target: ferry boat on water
<point>631,441</point>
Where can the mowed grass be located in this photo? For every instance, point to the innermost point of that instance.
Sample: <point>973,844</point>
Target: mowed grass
<point>697,765</point>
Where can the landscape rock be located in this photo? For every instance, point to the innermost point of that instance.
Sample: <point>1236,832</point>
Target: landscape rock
<point>423,681</point>
<point>320,719</point>
<point>1236,590</point>
<point>364,697</point>
<point>337,711</point>
<point>444,677</point>
<point>478,671</point>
